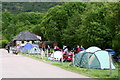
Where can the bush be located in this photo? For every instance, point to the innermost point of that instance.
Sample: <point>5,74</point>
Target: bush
<point>3,43</point>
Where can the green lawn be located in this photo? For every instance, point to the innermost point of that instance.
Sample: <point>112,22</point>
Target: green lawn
<point>94,73</point>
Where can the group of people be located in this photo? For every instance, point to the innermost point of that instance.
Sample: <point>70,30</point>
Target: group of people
<point>65,49</point>
<point>78,49</point>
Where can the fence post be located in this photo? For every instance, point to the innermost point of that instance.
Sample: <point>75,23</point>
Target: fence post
<point>88,60</point>
<point>110,73</point>
<point>62,56</point>
<point>73,58</point>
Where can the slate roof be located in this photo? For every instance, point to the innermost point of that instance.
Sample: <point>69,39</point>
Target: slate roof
<point>26,35</point>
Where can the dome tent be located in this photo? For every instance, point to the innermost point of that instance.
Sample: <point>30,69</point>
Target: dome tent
<point>93,57</point>
<point>31,49</point>
<point>92,49</point>
<point>26,47</point>
<point>34,50</point>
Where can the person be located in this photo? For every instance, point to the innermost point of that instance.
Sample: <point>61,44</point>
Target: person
<point>42,53</point>
<point>82,48</point>
<point>48,48</point>
<point>56,48</point>
<point>72,49</point>
<point>15,50</point>
<point>43,48</point>
<point>65,49</point>
<point>77,49</point>
<point>8,49</point>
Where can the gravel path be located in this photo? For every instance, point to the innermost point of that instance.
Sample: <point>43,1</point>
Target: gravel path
<point>17,66</point>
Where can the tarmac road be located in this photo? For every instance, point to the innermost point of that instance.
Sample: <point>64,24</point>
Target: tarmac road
<point>17,66</point>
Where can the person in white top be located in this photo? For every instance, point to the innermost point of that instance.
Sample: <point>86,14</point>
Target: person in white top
<point>65,49</point>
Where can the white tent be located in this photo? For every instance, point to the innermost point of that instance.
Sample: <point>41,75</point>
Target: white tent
<point>92,49</point>
<point>57,55</point>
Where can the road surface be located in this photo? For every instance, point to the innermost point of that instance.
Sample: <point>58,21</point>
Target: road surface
<point>17,66</point>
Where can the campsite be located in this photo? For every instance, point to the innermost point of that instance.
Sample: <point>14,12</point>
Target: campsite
<point>98,61</point>
<point>79,37</point>
<point>94,73</point>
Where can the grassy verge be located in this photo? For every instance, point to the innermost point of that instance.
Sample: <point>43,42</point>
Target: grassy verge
<point>94,73</point>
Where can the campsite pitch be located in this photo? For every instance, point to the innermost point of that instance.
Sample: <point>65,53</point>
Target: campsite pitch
<point>17,66</point>
<point>94,73</point>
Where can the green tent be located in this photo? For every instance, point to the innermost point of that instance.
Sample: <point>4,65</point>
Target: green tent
<point>34,50</point>
<point>46,42</point>
<point>38,43</point>
<point>97,59</point>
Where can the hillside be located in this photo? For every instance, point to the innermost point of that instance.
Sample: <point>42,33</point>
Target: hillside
<point>18,7</point>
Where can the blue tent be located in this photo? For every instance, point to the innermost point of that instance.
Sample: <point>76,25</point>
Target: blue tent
<point>26,47</point>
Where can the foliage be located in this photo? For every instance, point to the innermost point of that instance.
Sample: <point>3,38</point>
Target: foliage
<point>56,23</point>
<point>18,7</point>
<point>71,24</point>
<point>3,43</point>
<point>13,24</point>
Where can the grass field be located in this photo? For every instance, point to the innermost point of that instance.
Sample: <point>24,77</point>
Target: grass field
<point>94,73</point>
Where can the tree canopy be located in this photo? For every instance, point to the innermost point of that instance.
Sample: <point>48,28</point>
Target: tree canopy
<point>71,24</point>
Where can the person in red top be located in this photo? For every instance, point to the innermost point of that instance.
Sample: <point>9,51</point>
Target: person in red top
<point>78,49</point>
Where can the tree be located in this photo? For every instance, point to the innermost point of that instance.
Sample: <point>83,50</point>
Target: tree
<point>15,23</point>
<point>97,33</point>
<point>58,19</point>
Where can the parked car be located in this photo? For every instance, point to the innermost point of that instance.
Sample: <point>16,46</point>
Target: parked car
<point>15,50</point>
<point>117,59</point>
<point>113,53</point>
